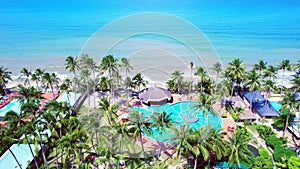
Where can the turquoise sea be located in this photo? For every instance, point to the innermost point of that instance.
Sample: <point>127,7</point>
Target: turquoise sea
<point>37,33</point>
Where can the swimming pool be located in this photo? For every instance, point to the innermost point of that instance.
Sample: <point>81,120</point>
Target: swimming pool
<point>276,105</point>
<point>182,113</point>
<point>13,105</point>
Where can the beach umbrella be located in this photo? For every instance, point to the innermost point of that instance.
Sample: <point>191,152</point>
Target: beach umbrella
<point>155,95</point>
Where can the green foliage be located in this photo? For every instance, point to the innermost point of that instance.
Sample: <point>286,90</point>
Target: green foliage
<point>294,163</point>
<point>262,163</point>
<point>224,115</point>
<point>274,142</point>
<point>264,153</point>
<point>280,121</point>
<point>283,153</point>
<point>264,131</point>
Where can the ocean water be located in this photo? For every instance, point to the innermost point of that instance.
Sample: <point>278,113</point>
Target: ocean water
<point>43,33</point>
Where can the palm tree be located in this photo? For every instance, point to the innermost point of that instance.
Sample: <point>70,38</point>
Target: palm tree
<point>191,84</point>
<point>204,104</point>
<point>202,73</point>
<point>198,143</point>
<point>235,72</point>
<point>162,122</point>
<point>177,77</point>
<point>219,145</point>
<point>270,73</point>
<point>238,150</point>
<point>179,137</point>
<point>88,63</point>
<point>50,80</point>
<point>296,81</point>
<point>127,67</point>
<point>288,102</point>
<point>72,65</point>
<point>269,86</point>
<point>65,88</point>
<point>284,65</point>
<point>5,76</point>
<point>108,110</point>
<point>217,67</point>
<point>25,74</point>
<point>137,125</point>
<point>253,80</point>
<point>138,80</point>
<point>109,63</point>
<point>261,66</point>
<point>37,76</point>
<point>29,95</point>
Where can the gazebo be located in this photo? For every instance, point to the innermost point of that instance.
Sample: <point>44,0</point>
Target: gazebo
<point>155,96</point>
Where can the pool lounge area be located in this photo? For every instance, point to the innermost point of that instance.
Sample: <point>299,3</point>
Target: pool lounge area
<point>22,151</point>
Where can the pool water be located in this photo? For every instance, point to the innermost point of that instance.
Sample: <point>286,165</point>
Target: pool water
<point>276,105</point>
<point>182,113</point>
<point>14,105</point>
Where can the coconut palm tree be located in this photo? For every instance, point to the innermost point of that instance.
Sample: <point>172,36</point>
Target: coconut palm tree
<point>261,67</point>
<point>284,65</point>
<point>138,80</point>
<point>235,72</point>
<point>37,76</point>
<point>296,81</point>
<point>29,95</point>
<point>177,78</point>
<point>5,76</point>
<point>162,122</point>
<point>110,64</point>
<point>25,74</point>
<point>289,102</point>
<point>204,104</point>
<point>270,73</point>
<point>239,150</point>
<point>50,80</point>
<point>72,65</point>
<point>191,84</point>
<point>202,73</point>
<point>217,67</point>
<point>199,143</point>
<point>179,137</point>
<point>125,64</point>
<point>108,110</point>
<point>138,125</point>
<point>269,86</point>
<point>253,80</point>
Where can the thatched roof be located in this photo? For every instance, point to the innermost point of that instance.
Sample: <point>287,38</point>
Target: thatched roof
<point>155,94</point>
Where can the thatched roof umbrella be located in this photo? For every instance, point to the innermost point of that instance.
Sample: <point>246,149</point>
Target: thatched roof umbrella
<point>155,96</point>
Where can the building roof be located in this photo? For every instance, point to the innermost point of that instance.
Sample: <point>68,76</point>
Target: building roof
<point>247,115</point>
<point>155,94</point>
<point>262,106</point>
<point>265,109</point>
<point>254,96</point>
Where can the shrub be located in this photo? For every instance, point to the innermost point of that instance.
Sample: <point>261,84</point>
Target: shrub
<point>264,131</point>
<point>264,153</point>
<point>274,142</point>
<point>283,153</point>
<point>294,163</point>
<point>224,115</point>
